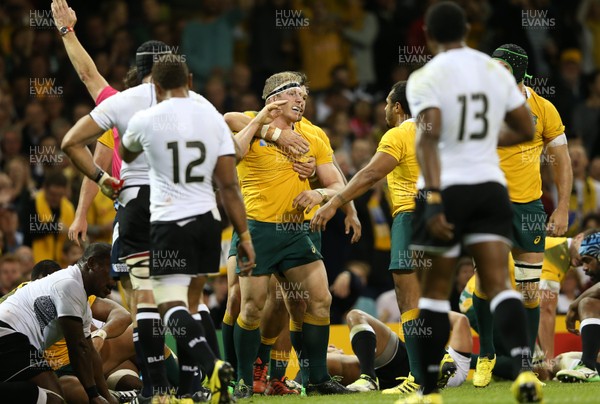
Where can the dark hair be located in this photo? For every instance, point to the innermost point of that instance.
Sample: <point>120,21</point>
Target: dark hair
<point>131,78</point>
<point>96,250</point>
<point>56,179</point>
<point>398,94</point>
<point>170,71</point>
<point>446,22</point>
<point>146,54</point>
<point>43,269</point>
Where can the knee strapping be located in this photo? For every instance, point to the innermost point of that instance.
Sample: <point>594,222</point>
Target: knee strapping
<point>171,288</point>
<point>114,378</point>
<point>527,272</point>
<point>139,271</point>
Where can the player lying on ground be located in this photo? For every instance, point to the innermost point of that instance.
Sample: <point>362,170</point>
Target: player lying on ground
<point>380,357</point>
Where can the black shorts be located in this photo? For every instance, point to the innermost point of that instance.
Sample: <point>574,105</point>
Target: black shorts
<point>397,367</point>
<point>20,360</point>
<point>474,210</point>
<point>134,224</point>
<point>117,267</point>
<point>190,246</point>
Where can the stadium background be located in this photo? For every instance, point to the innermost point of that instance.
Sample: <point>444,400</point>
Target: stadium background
<point>352,52</point>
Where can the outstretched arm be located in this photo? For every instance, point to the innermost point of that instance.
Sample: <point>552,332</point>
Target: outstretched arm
<point>64,16</point>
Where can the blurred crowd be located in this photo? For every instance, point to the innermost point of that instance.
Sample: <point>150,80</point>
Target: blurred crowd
<point>352,52</point>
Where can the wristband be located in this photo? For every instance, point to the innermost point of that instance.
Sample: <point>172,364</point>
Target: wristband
<point>263,131</point>
<point>322,192</point>
<point>65,30</point>
<point>276,135</point>
<point>245,236</point>
<point>92,392</point>
<point>99,333</point>
<point>433,196</point>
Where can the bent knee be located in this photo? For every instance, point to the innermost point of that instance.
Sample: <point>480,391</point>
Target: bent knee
<point>355,317</point>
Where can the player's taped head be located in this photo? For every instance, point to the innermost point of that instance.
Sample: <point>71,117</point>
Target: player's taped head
<point>446,22</point>
<point>145,56</point>
<point>590,245</point>
<point>280,82</point>
<point>516,59</point>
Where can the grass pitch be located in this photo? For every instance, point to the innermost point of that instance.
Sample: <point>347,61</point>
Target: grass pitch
<point>495,393</point>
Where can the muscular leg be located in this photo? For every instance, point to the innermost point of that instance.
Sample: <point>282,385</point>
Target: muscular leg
<point>274,318</point>
<point>589,314</point>
<point>492,267</point>
<point>433,317</point>
<point>369,337</point>
<point>130,296</point>
<point>548,303</point>
<point>311,279</point>
<point>460,347</point>
<point>49,381</point>
<point>231,313</point>
<point>528,269</point>
<point>408,292</point>
<point>246,330</point>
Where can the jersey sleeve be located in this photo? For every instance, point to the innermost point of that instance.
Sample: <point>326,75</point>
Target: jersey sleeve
<point>107,139</point>
<point>106,92</point>
<point>132,139</point>
<point>553,126</point>
<point>323,136</point>
<point>105,114</point>
<point>421,91</point>
<point>391,144</point>
<point>323,154</point>
<point>69,299</point>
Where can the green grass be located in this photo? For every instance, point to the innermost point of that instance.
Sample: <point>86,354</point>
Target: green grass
<point>495,393</point>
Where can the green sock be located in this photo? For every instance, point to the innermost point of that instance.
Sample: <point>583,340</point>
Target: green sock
<point>533,325</point>
<point>485,323</point>
<point>296,337</point>
<point>246,347</point>
<point>410,340</point>
<point>264,353</point>
<point>172,368</point>
<point>277,368</point>
<point>228,345</point>
<point>316,341</point>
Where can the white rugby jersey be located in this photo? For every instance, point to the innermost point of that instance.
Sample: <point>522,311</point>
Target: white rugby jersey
<point>182,139</point>
<point>34,309</point>
<point>116,111</point>
<point>473,93</point>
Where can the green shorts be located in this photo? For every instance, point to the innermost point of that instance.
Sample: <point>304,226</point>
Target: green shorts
<point>280,246</point>
<point>66,370</point>
<point>401,256</point>
<point>315,236</point>
<point>529,226</point>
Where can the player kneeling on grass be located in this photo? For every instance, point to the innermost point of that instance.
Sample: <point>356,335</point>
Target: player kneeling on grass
<point>112,338</point>
<point>381,358</point>
<point>43,312</point>
<point>586,309</point>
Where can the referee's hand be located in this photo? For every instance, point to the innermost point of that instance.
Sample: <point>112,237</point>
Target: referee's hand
<point>246,257</point>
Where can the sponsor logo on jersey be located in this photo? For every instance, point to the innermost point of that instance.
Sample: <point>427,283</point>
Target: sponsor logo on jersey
<point>537,240</point>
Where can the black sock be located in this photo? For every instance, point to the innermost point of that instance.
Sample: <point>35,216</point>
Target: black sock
<point>209,329</point>
<point>510,321</point>
<point>434,327</point>
<point>590,342</point>
<point>190,337</point>
<point>364,342</point>
<point>152,340</point>
<point>142,365</point>
<point>188,370</point>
